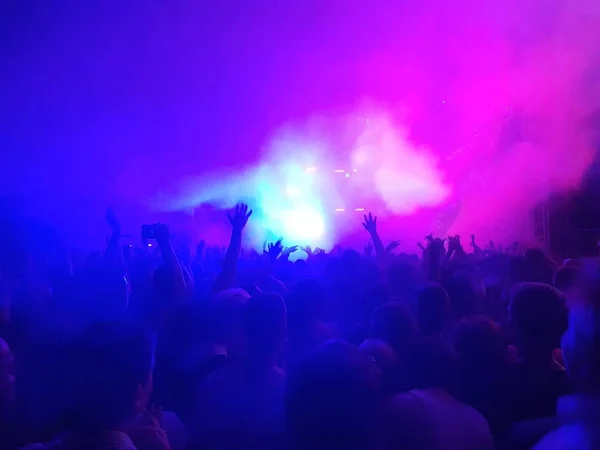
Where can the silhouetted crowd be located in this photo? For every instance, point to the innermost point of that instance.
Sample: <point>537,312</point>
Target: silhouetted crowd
<point>155,347</point>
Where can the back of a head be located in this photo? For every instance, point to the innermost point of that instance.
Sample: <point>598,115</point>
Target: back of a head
<point>464,295</point>
<point>392,323</point>
<point>480,345</point>
<point>518,269</point>
<point>265,321</point>
<point>225,313</point>
<point>373,297</point>
<point>432,309</point>
<point>433,364</point>
<point>107,375</point>
<point>565,278</point>
<point>331,399</point>
<point>539,315</point>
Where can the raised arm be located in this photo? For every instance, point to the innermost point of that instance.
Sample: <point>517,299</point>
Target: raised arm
<point>171,263</point>
<point>238,221</point>
<point>370,224</point>
<point>113,255</point>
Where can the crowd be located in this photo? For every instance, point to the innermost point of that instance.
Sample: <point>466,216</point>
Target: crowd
<point>156,348</point>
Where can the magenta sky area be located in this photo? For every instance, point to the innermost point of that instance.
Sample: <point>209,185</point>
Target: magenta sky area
<point>140,104</point>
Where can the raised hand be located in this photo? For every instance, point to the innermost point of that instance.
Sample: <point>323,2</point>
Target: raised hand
<point>146,432</point>
<point>162,234</point>
<point>274,249</point>
<point>289,250</point>
<point>454,242</point>
<point>370,223</point>
<point>392,246</point>
<point>369,248</point>
<point>200,249</point>
<point>240,216</point>
<point>308,250</point>
<point>472,237</point>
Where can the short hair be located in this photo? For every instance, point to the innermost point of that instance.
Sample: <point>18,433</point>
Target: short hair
<point>480,343</point>
<point>104,367</point>
<point>539,314</point>
<point>432,307</point>
<point>331,398</point>
<point>463,294</point>
<point>433,363</point>
<point>225,312</point>
<point>393,323</point>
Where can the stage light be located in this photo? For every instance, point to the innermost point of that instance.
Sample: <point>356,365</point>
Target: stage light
<point>347,175</point>
<point>340,210</point>
<point>293,191</point>
<point>354,170</point>
<point>311,169</point>
<point>359,209</point>
<point>339,170</point>
<point>303,224</point>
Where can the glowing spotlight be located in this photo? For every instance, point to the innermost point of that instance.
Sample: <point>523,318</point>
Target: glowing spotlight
<point>311,169</point>
<point>354,170</point>
<point>347,175</point>
<point>359,209</point>
<point>340,210</point>
<point>339,170</point>
<point>303,224</point>
<point>293,192</point>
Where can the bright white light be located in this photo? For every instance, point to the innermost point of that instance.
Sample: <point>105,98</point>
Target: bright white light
<point>359,209</point>
<point>293,191</point>
<point>311,169</point>
<point>303,224</point>
<point>347,175</point>
<point>340,210</point>
<point>354,170</point>
<point>339,170</point>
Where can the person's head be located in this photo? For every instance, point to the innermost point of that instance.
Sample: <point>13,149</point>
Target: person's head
<point>108,375</point>
<point>7,378</point>
<point>541,268</point>
<point>433,364</point>
<point>538,314</point>
<point>566,278</point>
<point>518,270</point>
<point>331,399</point>
<point>464,295</point>
<point>432,309</point>
<point>392,323</point>
<point>226,325</point>
<point>373,297</point>
<point>480,346</point>
<point>265,322</point>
